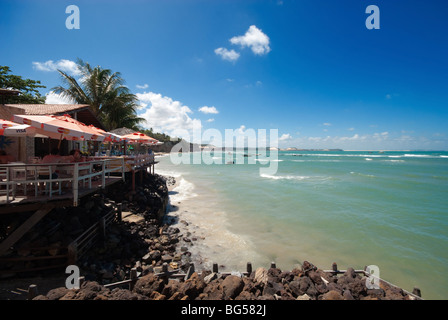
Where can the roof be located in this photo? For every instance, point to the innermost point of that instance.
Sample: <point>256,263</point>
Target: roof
<point>9,92</point>
<point>5,113</point>
<point>43,109</point>
<point>83,111</point>
<point>122,131</point>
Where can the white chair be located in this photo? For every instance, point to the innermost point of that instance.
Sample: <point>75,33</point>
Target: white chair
<point>4,183</point>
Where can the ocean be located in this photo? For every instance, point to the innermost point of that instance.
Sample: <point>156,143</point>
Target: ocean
<point>355,208</point>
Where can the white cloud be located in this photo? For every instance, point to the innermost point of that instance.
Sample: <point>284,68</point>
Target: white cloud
<point>208,110</point>
<point>285,136</point>
<point>376,141</point>
<point>145,86</point>
<point>67,66</point>
<point>54,98</point>
<point>229,55</point>
<point>255,39</point>
<point>210,120</point>
<point>166,115</point>
<point>327,124</point>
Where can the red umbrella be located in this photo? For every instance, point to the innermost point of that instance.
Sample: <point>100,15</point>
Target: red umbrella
<point>138,137</point>
<point>65,127</point>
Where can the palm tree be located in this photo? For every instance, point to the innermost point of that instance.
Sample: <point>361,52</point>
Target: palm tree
<point>104,90</point>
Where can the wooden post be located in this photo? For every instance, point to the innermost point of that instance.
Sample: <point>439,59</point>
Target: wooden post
<point>102,228</point>
<point>120,212</point>
<point>215,267</point>
<point>133,278</point>
<point>133,180</point>
<point>72,253</point>
<point>273,265</point>
<point>24,228</point>
<point>75,184</point>
<point>32,291</point>
<point>190,271</point>
<point>334,267</point>
<point>123,172</point>
<point>103,176</point>
<point>417,292</point>
<point>249,268</point>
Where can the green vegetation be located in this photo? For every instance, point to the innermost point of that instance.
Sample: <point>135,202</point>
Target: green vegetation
<point>28,88</point>
<point>105,92</point>
<point>159,136</point>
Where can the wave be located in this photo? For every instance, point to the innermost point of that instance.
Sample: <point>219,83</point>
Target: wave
<point>295,177</point>
<point>363,174</point>
<point>284,177</point>
<point>184,190</point>
<point>393,160</point>
<point>418,156</point>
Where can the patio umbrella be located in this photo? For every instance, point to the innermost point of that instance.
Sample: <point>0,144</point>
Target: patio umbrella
<point>9,128</point>
<point>59,127</point>
<point>138,137</point>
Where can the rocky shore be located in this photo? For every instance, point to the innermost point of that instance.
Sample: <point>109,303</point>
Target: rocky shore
<point>304,283</point>
<point>146,240</point>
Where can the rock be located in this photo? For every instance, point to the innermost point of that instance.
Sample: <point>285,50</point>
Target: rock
<point>308,266</point>
<point>232,287</point>
<point>212,276</point>
<point>245,295</point>
<point>147,284</point>
<point>272,288</point>
<point>304,297</point>
<point>261,276</point>
<point>167,258</point>
<point>347,295</point>
<point>332,295</point>
<point>376,293</point>
<point>193,286</point>
<point>56,294</point>
<point>315,277</point>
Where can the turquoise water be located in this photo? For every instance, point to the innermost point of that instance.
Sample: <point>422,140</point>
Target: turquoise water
<point>388,209</point>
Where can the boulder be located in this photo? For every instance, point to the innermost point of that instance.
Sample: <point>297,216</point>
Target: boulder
<point>261,276</point>
<point>332,295</point>
<point>232,287</point>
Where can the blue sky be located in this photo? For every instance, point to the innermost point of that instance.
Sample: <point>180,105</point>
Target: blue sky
<point>309,68</point>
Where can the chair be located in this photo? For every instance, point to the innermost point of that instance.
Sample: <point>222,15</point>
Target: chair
<point>4,183</point>
<point>44,175</point>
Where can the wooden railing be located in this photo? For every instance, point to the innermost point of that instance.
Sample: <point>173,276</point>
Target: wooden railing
<point>49,179</point>
<point>80,246</point>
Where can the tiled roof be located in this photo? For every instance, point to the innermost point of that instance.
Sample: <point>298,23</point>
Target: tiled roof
<point>42,109</point>
<point>83,111</point>
<point>5,113</point>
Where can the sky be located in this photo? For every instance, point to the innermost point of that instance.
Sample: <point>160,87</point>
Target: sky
<point>310,69</point>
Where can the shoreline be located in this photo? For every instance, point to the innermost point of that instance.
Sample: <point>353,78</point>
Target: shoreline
<point>163,241</point>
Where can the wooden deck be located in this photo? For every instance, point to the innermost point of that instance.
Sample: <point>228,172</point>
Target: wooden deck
<point>22,183</point>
